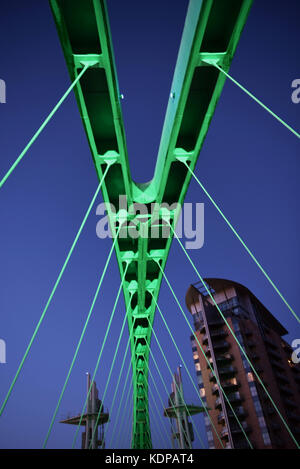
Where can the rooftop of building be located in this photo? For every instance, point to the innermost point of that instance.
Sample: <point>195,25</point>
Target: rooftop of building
<point>215,285</point>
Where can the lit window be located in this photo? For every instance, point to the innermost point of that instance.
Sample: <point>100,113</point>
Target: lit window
<point>197,366</point>
<point>250,377</point>
<point>202,392</point>
<point>195,356</point>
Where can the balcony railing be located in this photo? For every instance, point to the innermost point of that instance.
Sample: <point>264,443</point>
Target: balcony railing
<point>221,345</point>
<point>281,376</point>
<point>274,353</point>
<point>224,433</point>
<point>285,389</point>
<point>228,385</point>
<point>235,428</point>
<point>292,416</point>
<point>205,339</point>
<point>211,363</point>
<point>218,333</point>
<point>218,403</point>
<point>235,397</point>
<point>240,412</point>
<point>221,417</point>
<point>224,358</point>
<point>277,364</point>
<point>290,403</point>
<point>215,389</point>
<point>227,370</point>
<point>270,342</point>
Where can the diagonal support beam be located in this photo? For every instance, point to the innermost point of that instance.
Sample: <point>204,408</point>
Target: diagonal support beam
<point>211,32</point>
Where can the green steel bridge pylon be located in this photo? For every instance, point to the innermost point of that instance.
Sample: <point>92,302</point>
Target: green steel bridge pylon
<point>211,34</point>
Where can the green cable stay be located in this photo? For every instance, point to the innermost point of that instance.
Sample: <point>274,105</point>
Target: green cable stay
<point>52,292</point>
<point>242,242</point>
<point>212,30</point>
<point>161,400</point>
<point>160,418</point>
<point>233,335</point>
<point>215,374</point>
<point>82,336</point>
<point>160,414</point>
<point>100,355</point>
<point>166,389</point>
<point>156,388</point>
<point>117,383</point>
<point>163,383</point>
<point>211,34</point>
<point>43,125</point>
<point>108,384</point>
<point>121,424</point>
<point>110,371</point>
<point>119,406</point>
<point>214,63</point>
<point>116,390</point>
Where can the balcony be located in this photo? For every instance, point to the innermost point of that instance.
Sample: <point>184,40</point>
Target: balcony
<point>277,364</point>
<point>209,362</point>
<point>297,378</point>
<point>227,371</point>
<point>221,417</point>
<point>229,386</point>
<point>253,356</point>
<point>235,397</point>
<point>218,403</point>
<point>251,344</point>
<point>275,354</point>
<point>224,433</point>
<point>223,345</point>
<point>218,333</point>
<point>289,403</point>
<point>240,412</point>
<point>285,389</point>
<point>270,343</point>
<point>202,328</point>
<point>235,428</point>
<point>215,389</point>
<point>227,357</point>
<point>275,426</point>
<point>211,376</point>
<point>243,444</point>
<point>205,339</point>
<point>292,416</point>
<point>281,376</point>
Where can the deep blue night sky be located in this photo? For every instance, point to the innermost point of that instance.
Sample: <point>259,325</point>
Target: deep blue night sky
<point>249,163</point>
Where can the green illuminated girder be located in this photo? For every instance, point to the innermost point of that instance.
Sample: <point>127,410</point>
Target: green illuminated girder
<point>211,33</point>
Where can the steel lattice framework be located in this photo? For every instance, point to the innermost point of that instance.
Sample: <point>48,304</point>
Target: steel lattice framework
<point>211,33</point>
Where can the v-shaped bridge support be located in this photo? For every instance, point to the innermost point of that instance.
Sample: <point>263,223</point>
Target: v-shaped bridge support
<point>211,33</point>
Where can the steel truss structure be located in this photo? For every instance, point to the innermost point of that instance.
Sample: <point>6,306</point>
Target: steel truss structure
<point>211,34</point>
